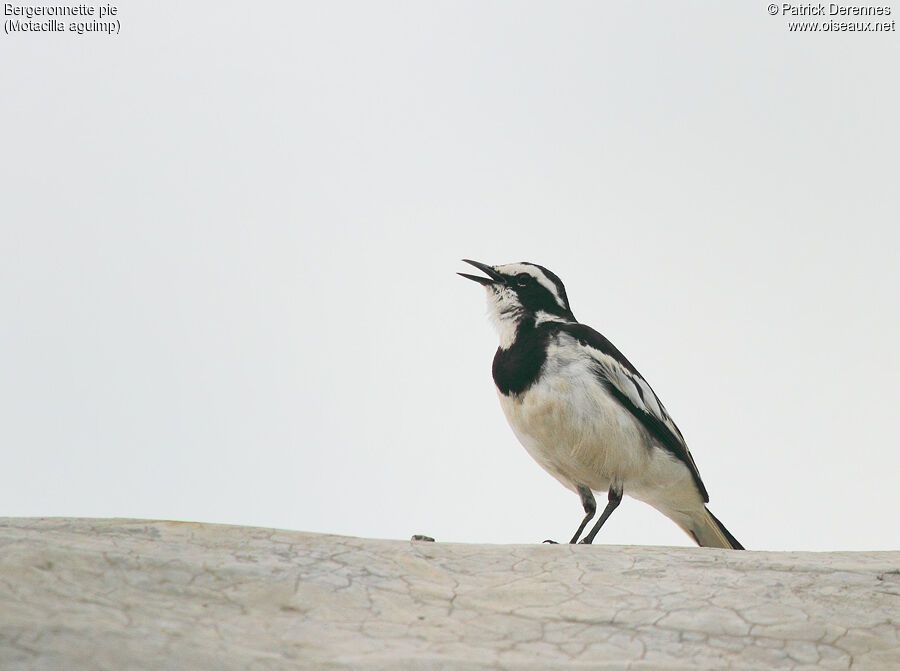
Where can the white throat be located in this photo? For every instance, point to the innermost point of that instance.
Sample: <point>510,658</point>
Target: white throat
<point>507,328</point>
<point>505,312</point>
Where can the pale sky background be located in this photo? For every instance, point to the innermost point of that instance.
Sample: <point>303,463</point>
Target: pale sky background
<point>229,238</point>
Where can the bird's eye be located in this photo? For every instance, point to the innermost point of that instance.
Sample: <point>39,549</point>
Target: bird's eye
<point>523,279</point>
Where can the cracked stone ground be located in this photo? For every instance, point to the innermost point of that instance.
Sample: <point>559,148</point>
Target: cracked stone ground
<point>80,594</point>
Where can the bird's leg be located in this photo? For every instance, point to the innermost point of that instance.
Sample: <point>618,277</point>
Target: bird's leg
<point>615,497</point>
<point>590,507</point>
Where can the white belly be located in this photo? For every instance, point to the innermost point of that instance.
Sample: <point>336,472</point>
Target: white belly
<point>582,436</point>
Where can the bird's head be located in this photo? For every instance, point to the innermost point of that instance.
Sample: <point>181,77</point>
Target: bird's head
<point>522,291</point>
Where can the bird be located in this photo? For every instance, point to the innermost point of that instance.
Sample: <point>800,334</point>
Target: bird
<point>583,411</point>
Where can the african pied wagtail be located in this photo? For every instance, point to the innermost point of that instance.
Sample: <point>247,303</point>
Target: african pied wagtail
<point>583,412</point>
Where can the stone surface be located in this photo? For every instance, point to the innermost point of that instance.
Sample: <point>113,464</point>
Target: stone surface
<point>123,594</point>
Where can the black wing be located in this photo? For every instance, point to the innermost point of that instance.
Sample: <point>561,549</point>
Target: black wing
<point>629,387</point>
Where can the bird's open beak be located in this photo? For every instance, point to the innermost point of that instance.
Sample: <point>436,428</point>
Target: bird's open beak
<point>492,275</point>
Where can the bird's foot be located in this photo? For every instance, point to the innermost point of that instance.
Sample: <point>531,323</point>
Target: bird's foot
<point>551,542</point>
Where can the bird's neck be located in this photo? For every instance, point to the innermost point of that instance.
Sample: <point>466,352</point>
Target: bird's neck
<point>513,326</point>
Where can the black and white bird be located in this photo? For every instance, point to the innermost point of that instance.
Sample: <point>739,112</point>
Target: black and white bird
<point>583,411</point>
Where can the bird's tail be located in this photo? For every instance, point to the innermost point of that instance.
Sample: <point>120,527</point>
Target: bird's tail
<point>708,531</point>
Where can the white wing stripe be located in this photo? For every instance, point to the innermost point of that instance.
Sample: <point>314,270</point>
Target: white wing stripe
<point>634,387</point>
<point>650,399</point>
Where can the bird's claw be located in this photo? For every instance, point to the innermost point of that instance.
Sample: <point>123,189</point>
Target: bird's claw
<point>551,542</point>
